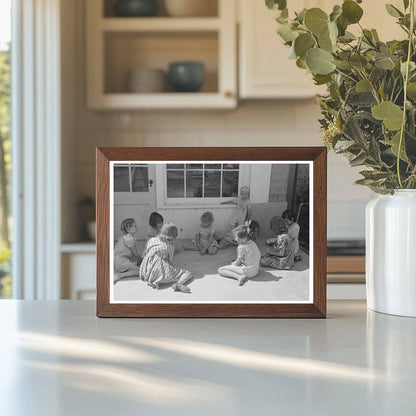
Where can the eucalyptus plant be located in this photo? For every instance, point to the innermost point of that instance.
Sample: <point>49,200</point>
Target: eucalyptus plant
<point>369,112</point>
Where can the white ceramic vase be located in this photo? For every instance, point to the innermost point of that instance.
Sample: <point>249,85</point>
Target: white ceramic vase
<point>391,253</point>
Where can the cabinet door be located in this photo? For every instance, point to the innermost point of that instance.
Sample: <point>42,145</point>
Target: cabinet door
<point>265,68</point>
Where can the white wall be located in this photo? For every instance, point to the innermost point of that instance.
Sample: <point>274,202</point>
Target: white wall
<point>187,218</point>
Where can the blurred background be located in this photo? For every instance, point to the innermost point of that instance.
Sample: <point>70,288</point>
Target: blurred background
<point>100,73</point>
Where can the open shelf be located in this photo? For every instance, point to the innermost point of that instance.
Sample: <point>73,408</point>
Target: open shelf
<point>160,24</point>
<point>130,101</point>
<point>127,51</point>
<point>209,9</point>
<point>116,46</point>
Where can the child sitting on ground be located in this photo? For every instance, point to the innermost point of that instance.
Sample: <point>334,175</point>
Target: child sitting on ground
<point>204,241</point>
<point>281,254</point>
<point>247,264</point>
<point>254,227</point>
<point>126,256</point>
<point>240,216</point>
<point>157,268</point>
<point>155,224</point>
<point>293,232</point>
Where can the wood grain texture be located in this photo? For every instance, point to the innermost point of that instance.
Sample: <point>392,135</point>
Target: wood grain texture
<point>317,309</point>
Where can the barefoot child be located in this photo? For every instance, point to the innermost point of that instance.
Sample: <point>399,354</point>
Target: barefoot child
<point>281,254</point>
<point>155,224</point>
<point>204,241</point>
<point>247,263</point>
<point>157,268</point>
<point>126,257</point>
<point>240,216</point>
<point>243,211</point>
<point>293,232</point>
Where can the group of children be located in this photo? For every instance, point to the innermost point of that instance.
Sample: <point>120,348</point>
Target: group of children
<point>156,267</point>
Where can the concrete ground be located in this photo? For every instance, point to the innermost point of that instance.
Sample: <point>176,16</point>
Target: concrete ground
<point>269,285</point>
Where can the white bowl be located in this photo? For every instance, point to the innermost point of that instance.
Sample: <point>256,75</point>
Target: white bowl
<point>92,230</point>
<point>191,8</point>
<point>146,80</point>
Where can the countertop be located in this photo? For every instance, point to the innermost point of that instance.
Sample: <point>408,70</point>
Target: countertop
<point>57,358</point>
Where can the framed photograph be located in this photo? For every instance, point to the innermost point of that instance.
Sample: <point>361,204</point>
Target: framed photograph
<point>211,232</point>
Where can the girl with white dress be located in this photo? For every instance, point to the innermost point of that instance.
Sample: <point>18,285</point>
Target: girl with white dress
<point>247,264</point>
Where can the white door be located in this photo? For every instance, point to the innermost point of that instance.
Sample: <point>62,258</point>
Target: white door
<point>134,196</point>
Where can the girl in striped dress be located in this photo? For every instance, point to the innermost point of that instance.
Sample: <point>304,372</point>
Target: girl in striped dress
<point>157,268</point>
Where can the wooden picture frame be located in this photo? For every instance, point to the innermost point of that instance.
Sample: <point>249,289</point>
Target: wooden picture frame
<point>315,308</point>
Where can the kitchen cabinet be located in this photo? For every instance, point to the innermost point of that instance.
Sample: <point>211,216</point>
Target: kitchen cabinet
<point>265,70</point>
<point>116,46</point>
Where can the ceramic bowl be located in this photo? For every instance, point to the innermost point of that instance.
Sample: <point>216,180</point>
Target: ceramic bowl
<point>186,76</point>
<point>92,230</point>
<point>147,80</point>
<point>135,8</point>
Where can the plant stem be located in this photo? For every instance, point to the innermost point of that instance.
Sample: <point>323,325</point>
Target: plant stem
<point>346,75</point>
<point>406,79</point>
<point>373,90</point>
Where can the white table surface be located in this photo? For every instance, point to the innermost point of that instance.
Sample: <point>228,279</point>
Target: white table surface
<point>58,359</point>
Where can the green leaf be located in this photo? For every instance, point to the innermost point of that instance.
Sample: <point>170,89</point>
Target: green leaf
<point>343,65</point>
<point>303,43</point>
<point>354,131</point>
<point>342,25</point>
<point>300,17</point>
<point>301,63</point>
<point>351,11</point>
<point>325,43</point>
<point>316,20</point>
<point>375,35</point>
<point>333,32</point>
<point>391,114</point>
<point>393,11</point>
<point>368,36</point>
<point>286,32</point>
<point>358,160</point>
<point>374,150</point>
<point>374,175</point>
<point>411,90</point>
<point>361,99</point>
<point>327,40</point>
<point>412,67</point>
<point>319,61</point>
<point>394,144</point>
<point>364,181</point>
<point>336,12</point>
<point>321,79</point>
<point>358,61</point>
<point>347,37</point>
<point>406,4</point>
<point>343,145</point>
<point>363,86</point>
<point>276,4</point>
<point>385,63</point>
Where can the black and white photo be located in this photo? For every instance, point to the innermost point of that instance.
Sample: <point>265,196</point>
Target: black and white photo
<point>211,232</point>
